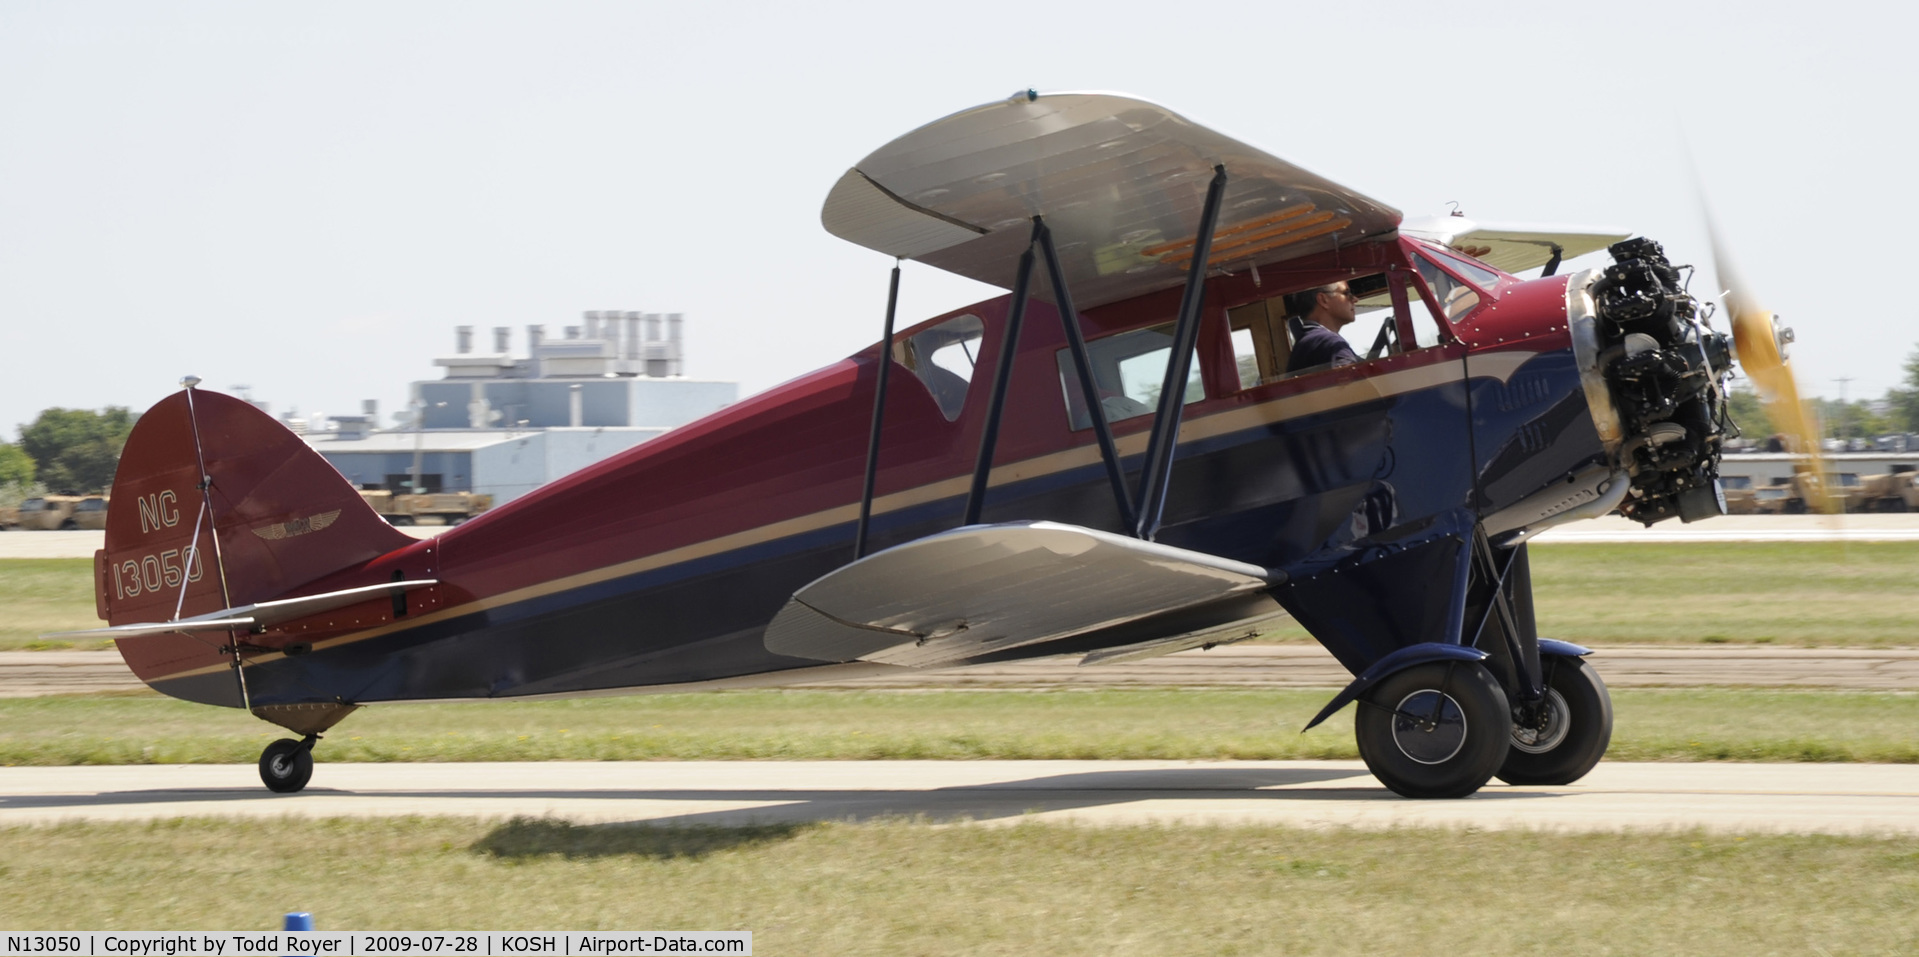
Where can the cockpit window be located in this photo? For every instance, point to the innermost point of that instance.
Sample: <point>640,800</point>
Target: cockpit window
<point>1128,371</point>
<point>1473,272</point>
<point>943,358</point>
<point>1455,297</point>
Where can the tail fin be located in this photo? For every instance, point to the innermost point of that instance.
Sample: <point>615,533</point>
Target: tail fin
<point>265,516</point>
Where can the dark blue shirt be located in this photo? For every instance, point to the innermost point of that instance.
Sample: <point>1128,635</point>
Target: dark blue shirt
<point>1319,346</point>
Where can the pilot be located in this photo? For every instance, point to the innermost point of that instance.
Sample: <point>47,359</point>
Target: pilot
<point>1318,315</point>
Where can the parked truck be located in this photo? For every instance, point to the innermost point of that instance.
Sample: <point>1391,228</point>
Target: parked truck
<point>1741,499</point>
<point>426,508</point>
<point>1850,493</point>
<point>1894,491</point>
<point>47,512</point>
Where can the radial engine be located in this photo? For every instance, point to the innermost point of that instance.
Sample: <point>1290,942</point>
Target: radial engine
<point>1666,370</point>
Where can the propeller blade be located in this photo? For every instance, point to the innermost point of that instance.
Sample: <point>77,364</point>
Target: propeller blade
<point>1760,342</point>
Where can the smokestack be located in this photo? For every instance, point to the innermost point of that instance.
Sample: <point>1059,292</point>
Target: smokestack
<point>592,325</point>
<point>463,339</point>
<point>572,332</point>
<point>534,336</point>
<point>500,335</point>
<point>610,329</point>
<point>370,408</point>
<point>652,327</point>
<point>673,326</point>
<point>632,335</point>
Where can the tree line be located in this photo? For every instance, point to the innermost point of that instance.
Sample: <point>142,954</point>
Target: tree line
<point>1896,411</point>
<point>66,452</point>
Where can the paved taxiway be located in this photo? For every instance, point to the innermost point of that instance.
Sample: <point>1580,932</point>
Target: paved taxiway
<point>1829,798</point>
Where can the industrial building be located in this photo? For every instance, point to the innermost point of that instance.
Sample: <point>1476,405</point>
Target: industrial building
<point>501,424</point>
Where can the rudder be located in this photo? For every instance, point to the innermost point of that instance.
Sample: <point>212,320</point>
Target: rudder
<point>281,514</point>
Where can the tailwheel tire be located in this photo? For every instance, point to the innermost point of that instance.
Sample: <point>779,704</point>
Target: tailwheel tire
<point>1437,730</point>
<point>286,765</point>
<point>1577,728</point>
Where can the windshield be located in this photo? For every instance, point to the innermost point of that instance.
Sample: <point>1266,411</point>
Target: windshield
<point>1455,298</point>
<point>942,357</point>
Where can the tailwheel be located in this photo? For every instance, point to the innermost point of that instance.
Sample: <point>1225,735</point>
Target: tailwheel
<point>1437,730</point>
<point>1569,734</point>
<point>286,765</point>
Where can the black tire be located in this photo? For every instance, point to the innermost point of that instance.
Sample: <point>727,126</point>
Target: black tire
<point>1447,759</point>
<point>286,766</point>
<point>1578,730</point>
<point>1892,504</point>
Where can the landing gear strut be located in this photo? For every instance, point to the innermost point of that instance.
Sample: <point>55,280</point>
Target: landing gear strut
<point>286,765</point>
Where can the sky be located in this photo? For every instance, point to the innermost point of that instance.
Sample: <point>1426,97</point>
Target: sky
<point>307,198</point>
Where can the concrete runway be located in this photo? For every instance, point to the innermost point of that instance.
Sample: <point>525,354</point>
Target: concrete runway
<point>1797,798</point>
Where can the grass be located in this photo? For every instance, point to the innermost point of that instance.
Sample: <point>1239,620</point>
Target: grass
<point>901,887</point>
<point>1796,594</point>
<point>42,595</point>
<point>1807,594</point>
<point>1651,725</point>
<point>1811,594</point>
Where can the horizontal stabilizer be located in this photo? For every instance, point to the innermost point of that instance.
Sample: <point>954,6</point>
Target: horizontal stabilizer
<point>987,588</point>
<point>1512,247</point>
<point>253,618</point>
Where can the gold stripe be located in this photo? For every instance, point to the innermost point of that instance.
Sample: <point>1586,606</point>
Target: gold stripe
<point>1499,365</point>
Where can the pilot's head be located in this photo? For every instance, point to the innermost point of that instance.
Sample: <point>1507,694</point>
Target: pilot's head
<point>1330,305</point>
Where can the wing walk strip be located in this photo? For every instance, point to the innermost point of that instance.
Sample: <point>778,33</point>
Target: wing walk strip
<point>1497,365</point>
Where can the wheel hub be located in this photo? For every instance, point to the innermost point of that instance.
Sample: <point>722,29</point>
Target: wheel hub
<point>1550,730</point>
<point>1429,727</point>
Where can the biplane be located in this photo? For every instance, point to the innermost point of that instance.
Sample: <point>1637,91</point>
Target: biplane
<point>1117,459</point>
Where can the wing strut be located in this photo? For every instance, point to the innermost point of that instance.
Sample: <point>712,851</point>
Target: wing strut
<point>879,410</point>
<point>1002,376</point>
<point>1083,369</point>
<point>1158,472</point>
<point>1042,239</point>
<point>1143,522</point>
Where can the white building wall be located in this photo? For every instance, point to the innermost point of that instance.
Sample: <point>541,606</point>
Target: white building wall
<point>510,469</point>
<point>1776,468</point>
<point>671,402</point>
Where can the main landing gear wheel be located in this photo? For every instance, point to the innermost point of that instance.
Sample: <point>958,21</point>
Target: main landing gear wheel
<point>287,765</point>
<point>1436,730</point>
<point>1575,729</point>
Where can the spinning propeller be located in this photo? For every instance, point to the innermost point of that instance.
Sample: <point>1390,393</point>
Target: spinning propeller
<point>1761,343</point>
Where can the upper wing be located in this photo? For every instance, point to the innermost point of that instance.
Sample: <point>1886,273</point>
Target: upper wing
<point>1513,247</point>
<point>1120,181</point>
<point>986,588</point>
